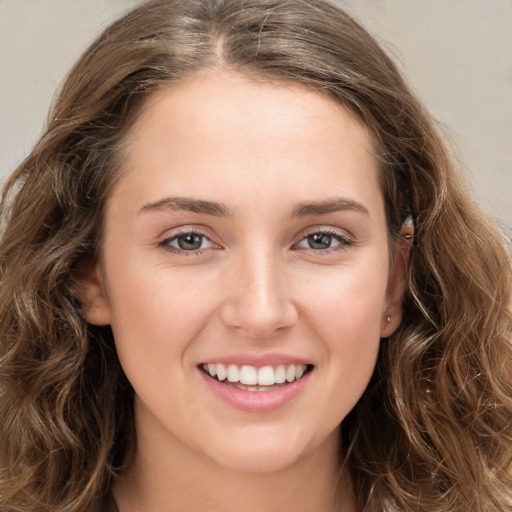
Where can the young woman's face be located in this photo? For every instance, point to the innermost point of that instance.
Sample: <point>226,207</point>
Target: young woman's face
<point>246,238</point>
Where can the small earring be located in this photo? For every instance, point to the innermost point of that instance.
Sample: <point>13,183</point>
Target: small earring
<point>388,319</point>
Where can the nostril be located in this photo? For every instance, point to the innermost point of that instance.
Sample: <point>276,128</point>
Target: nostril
<point>257,321</point>
<point>260,304</point>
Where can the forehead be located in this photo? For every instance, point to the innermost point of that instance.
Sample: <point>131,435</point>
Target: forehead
<point>216,128</point>
<point>215,99</point>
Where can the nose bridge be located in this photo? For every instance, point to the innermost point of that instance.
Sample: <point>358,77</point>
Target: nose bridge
<point>260,301</point>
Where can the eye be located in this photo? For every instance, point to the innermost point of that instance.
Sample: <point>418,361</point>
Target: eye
<point>189,241</point>
<point>324,241</point>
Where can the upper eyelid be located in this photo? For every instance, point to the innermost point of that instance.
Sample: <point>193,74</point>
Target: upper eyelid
<point>331,230</point>
<point>346,239</point>
<point>183,230</point>
<point>204,232</point>
<point>174,236</point>
<point>164,243</point>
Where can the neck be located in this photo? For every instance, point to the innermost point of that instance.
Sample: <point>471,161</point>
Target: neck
<point>166,475</point>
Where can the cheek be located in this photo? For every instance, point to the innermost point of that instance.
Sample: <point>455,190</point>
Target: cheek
<point>154,318</point>
<point>352,337</point>
<point>349,299</point>
<point>345,313</point>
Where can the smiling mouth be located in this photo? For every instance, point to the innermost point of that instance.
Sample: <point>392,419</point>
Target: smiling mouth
<point>252,378</point>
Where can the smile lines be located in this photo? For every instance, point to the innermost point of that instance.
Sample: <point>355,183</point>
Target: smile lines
<point>252,376</point>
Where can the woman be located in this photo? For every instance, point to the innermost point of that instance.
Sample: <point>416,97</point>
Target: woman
<point>240,270</point>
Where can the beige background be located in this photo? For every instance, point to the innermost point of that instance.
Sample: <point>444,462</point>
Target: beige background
<point>457,55</point>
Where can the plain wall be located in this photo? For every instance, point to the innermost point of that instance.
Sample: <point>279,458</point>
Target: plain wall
<point>456,54</point>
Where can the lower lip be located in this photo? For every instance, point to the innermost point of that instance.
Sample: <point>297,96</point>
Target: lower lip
<point>255,401</point>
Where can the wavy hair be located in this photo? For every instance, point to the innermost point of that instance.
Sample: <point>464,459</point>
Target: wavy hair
<point>433,430</point>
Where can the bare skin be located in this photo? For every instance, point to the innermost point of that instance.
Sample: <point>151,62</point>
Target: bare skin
<point>249,226</point>
<point>304,486</point>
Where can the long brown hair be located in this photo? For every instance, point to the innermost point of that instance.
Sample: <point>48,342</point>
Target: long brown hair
<point>433,431</point>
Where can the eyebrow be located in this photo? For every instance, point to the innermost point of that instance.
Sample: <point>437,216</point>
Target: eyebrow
<point>190,205</point>
<point>216,209</point>
<point>328,206</point>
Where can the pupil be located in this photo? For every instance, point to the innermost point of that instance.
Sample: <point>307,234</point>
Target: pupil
<point>189,242</point>
<point>319,241</point>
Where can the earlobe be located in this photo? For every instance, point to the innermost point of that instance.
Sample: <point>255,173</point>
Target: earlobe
<point>392,316</point>
<point>90,293</point>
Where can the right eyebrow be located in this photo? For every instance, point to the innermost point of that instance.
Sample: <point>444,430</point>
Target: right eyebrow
<point>189,204</point>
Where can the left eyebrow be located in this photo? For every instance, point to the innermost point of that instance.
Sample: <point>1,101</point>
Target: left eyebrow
<point>328,206</point>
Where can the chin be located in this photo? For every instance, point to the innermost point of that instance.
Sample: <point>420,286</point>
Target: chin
<point>261,462</point>
<point>265,454</point>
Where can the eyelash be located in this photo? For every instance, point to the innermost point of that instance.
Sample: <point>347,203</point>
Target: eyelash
<point>165,244</point>
<point>344,241</point>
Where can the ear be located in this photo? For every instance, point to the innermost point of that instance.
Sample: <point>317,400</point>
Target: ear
<point>90,293</point>
<point>392,315</point>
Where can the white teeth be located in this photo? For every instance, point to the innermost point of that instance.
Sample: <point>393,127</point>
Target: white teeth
<point>221,372</point>
<point>252,376</point>
<point>233,373</point>
<point>248,375</point>
<point>280,374</point>
<point>266,376</point>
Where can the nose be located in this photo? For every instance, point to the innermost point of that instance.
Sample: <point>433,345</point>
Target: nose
<point>258,297</point>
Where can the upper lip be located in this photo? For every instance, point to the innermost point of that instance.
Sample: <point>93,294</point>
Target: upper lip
<point>257,360</point>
